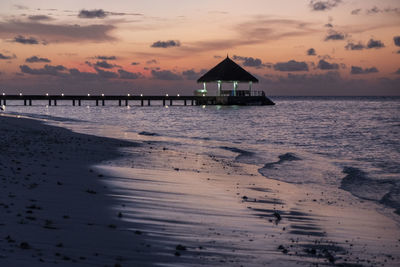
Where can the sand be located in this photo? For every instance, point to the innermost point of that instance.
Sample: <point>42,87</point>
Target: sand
<point>71,199</point>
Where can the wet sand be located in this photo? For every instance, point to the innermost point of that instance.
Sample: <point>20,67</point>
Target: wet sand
<point>72,199</point>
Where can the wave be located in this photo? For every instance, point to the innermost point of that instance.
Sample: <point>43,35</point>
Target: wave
<point>46,117</point>
<point>282,158</point>
<point>385,191</point>
<point>148,133</point>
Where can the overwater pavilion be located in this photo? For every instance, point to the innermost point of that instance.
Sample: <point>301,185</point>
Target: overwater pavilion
<point>227,71</point>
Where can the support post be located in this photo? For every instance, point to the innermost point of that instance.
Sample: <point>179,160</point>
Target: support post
<point>30,102</point>
<point>235,85</point>
<point>184,102</point>
<point>97,102</point>
<point>79,102</point>
<point>192,102</point>
<point>148,102</point>
<point>24,102</point>
<point>4,102</point>
<point>163,102</point>
<point>170,102</point>
<point>141,102</point>
<point>250,84</point>
<point>219,88</point>
<point>55,102</point>
<point>126,102</point>
<point>49,102</point>
<point>73,102</point>
<point>119,102</point>
<point>103,102</point>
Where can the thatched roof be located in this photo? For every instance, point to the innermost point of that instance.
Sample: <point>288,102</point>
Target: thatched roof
<point>227,71</point>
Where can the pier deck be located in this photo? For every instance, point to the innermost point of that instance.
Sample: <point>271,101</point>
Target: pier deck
<point>123,100</point>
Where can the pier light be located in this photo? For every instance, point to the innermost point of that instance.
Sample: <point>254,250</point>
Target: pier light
<point>129,94</point>
<point>88,94</point>
<point>4,93</point>
<point>141,94</point>
<point>102,94</point>
<point>20,94</point>
<point>178,95</point>
<point>166,94</point>
<point>62,94</point>
<point>47,94</point>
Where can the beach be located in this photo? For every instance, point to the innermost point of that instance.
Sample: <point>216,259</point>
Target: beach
<point>71,198</point>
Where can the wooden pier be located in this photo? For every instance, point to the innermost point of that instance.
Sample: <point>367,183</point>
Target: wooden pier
<point>123,100</point>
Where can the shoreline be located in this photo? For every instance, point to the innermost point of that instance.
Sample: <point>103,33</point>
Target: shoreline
<point>54,209</point>
<point>135,209</point>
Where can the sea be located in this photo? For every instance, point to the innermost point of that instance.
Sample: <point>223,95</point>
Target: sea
<point>347,143</point>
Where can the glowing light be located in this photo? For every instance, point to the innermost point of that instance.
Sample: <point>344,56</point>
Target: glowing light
<point>166,94</point>
<point>166,106</point>
<point>20,94</point>
<point>88,94</point>
<point>129,94</point>
<point>102,94</point>
<point>62,94</point>
<point>4,94</point>
<point>178,95</point>
<point>141,94</point>
<point>204,106</point>
<point>47,94</point>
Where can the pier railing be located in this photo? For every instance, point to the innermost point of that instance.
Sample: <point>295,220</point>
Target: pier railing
<point>123,100</point>
<point>242,93</point>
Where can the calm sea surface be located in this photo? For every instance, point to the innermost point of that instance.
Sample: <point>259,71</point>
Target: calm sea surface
<point>351,143</point>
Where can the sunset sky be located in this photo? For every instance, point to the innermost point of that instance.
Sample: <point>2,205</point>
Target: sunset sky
<point>294,47</point>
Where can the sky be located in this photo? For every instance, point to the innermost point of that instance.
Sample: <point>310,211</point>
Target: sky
<point>294,47</point>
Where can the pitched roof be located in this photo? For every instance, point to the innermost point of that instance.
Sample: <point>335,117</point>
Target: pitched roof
<point>227,71</point>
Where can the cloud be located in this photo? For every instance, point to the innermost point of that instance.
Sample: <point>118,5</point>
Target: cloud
<point>375,44</point>
<point>165,75</point>
<point>58,32</point>
<point>106,57</point>
<point>103,64</point>
<point>396,40</point>
<point>22,40</point>
<point>249,61</point>
<point>106,74</point>
<point>334,36</point>
<point>356,11</point>
<point>40,18</point>
<point>35,59</point>
<point>91,14</point>
<point>353,46</point>
<point>21,7</point>
<point>376,10</point>
<point>151,61</point>
<point>166,44</point>
<point>6,57</point>
<point>311,52</point>
<point>46,70</point>
<point>324,65</point>
<point>258,30</point>
<point>359,70</point>
<point>324,5</point>
<point>135,63</point>
<point>291,65</point>
<point>192,74</point>
<point>123,74</point>
<point>77,74</point>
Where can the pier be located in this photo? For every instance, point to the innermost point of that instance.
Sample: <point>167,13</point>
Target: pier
<point>141,100</point>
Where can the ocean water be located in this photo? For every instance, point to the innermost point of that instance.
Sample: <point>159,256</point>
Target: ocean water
<point>351,143</point>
